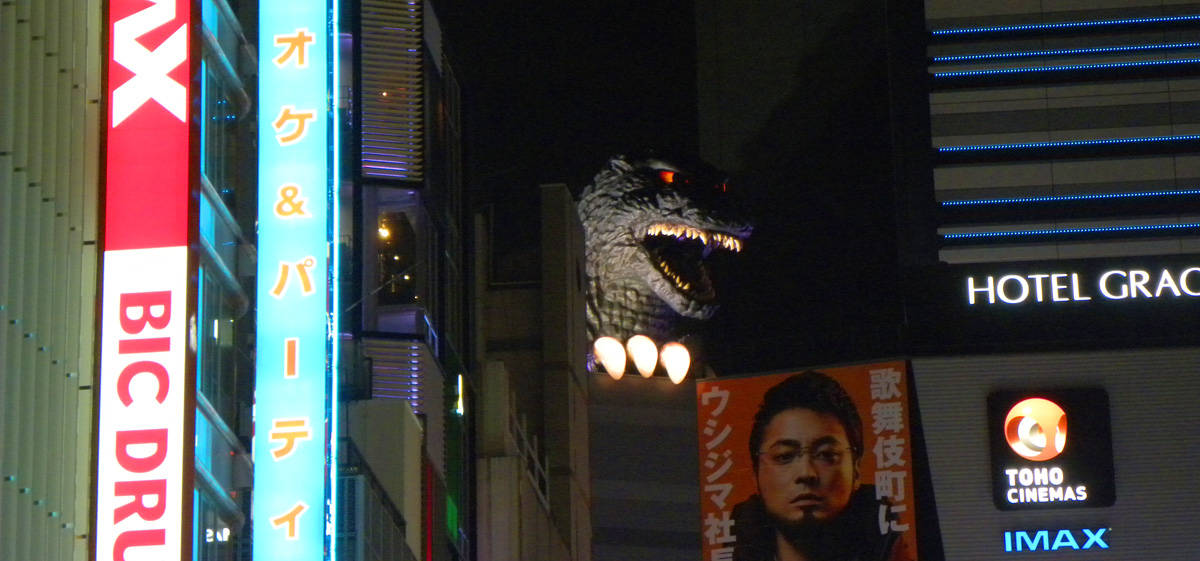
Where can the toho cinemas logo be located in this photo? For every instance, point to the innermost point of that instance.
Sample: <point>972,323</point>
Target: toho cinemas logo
<point>1037,463</point>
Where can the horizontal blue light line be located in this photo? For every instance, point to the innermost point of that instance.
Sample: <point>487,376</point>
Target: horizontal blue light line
<point>390,175</point>
<point>1062,198</point>
<point>1058,231</point>
<point>386,168</point>
<point>1062,52</point>
<point>1063,143</point>
<point>1062,25</point>
<point>1032,69</point>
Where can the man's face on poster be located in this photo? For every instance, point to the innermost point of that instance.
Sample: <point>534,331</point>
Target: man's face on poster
<point>806,470</point>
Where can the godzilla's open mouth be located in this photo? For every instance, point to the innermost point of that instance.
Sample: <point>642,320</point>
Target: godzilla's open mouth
<point>679,252</point>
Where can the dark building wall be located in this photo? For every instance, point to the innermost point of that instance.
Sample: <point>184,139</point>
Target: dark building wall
<point>646,497</point>
<point>821,111</point>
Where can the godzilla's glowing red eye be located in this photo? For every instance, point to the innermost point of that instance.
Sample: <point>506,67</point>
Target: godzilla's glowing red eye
<point>667,176</point>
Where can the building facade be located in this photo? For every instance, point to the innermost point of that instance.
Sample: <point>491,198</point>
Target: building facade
<point>404,484</point>
<point>1043,240</point>
<point>1064,150</point>
<point>533,471</point>
<point>50,125</point>
<point>410,418</point>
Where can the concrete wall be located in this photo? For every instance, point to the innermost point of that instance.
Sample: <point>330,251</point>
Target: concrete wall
<point>389,437</point>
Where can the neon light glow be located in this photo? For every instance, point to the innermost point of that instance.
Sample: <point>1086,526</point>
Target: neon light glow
<point>1062,231</point>
<point>1067,143</point>
<point>1063,25</point>
<point>1062,68</point>
<point>145,387</point>
<point>1069,198</point>
<point>292,509</point>
<point>1066,52</point>
<point>334,312</point>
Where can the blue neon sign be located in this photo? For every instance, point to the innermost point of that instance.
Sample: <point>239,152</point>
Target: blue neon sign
<point>1041,540</point>
<point>293,439</point>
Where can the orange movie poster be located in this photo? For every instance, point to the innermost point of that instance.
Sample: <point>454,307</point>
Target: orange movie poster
<point>807,465</point>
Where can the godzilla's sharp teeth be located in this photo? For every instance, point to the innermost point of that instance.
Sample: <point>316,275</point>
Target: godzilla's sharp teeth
<point>737,245</point>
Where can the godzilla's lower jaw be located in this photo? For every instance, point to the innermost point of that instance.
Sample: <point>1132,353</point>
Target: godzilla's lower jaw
<point>678,254</point>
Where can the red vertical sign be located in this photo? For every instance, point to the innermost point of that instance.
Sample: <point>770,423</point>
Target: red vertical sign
<point>144,442</point>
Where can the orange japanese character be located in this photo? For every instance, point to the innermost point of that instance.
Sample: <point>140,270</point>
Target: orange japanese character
<point>288,113</point>
<point>302,270</point>
<point>296,429</point>
<point>296,47</point>
<point>291,519</point>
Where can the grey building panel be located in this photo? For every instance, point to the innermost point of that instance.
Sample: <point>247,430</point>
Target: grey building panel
<point>636,537</point>
<point>1073,118</point>
<point>1153,411</point>
<point>47,272</point>
<point>680,519</point>
<point>645,469</point>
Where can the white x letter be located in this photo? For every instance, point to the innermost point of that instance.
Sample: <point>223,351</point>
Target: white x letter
<point>150,68</point>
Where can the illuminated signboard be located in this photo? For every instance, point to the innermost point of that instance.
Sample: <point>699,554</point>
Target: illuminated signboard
<point>1056,540</point>
<point>293,448</point>
<point>1071,286</point>
<point>1051,449</point>
<point>799,454</point>
<point>146,401</point>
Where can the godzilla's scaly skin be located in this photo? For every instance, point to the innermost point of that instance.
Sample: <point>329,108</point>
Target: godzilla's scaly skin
<point>627,293</point>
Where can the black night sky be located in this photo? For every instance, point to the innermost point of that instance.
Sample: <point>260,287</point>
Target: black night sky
<point>551,89</point>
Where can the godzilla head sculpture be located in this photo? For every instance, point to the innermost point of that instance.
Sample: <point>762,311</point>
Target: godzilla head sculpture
<point>650,224</point>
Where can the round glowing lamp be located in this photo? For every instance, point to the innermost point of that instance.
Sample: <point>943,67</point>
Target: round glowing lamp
<point>644,353</point>
<point>676,359</point>
<point>611,354</point>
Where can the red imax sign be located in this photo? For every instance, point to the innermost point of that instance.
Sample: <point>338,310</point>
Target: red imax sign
<point>146,402</point>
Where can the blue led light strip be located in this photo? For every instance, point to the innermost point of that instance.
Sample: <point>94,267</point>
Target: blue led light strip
<point>335,306</point>
<point>1061,25</point>
<point>1066,198</point>
<point>1066,67</point>
<point>1065,52</point>
<point>1059,231</point>
<point>1065,143</point>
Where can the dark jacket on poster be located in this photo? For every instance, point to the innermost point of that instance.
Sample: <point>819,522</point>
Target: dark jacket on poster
<point>854,536</point>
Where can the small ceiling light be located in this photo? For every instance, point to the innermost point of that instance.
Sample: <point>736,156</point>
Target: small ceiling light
<point>676,359</point>
<point>384,233</point>
<point>611,354</point>
<point>644,353</point>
